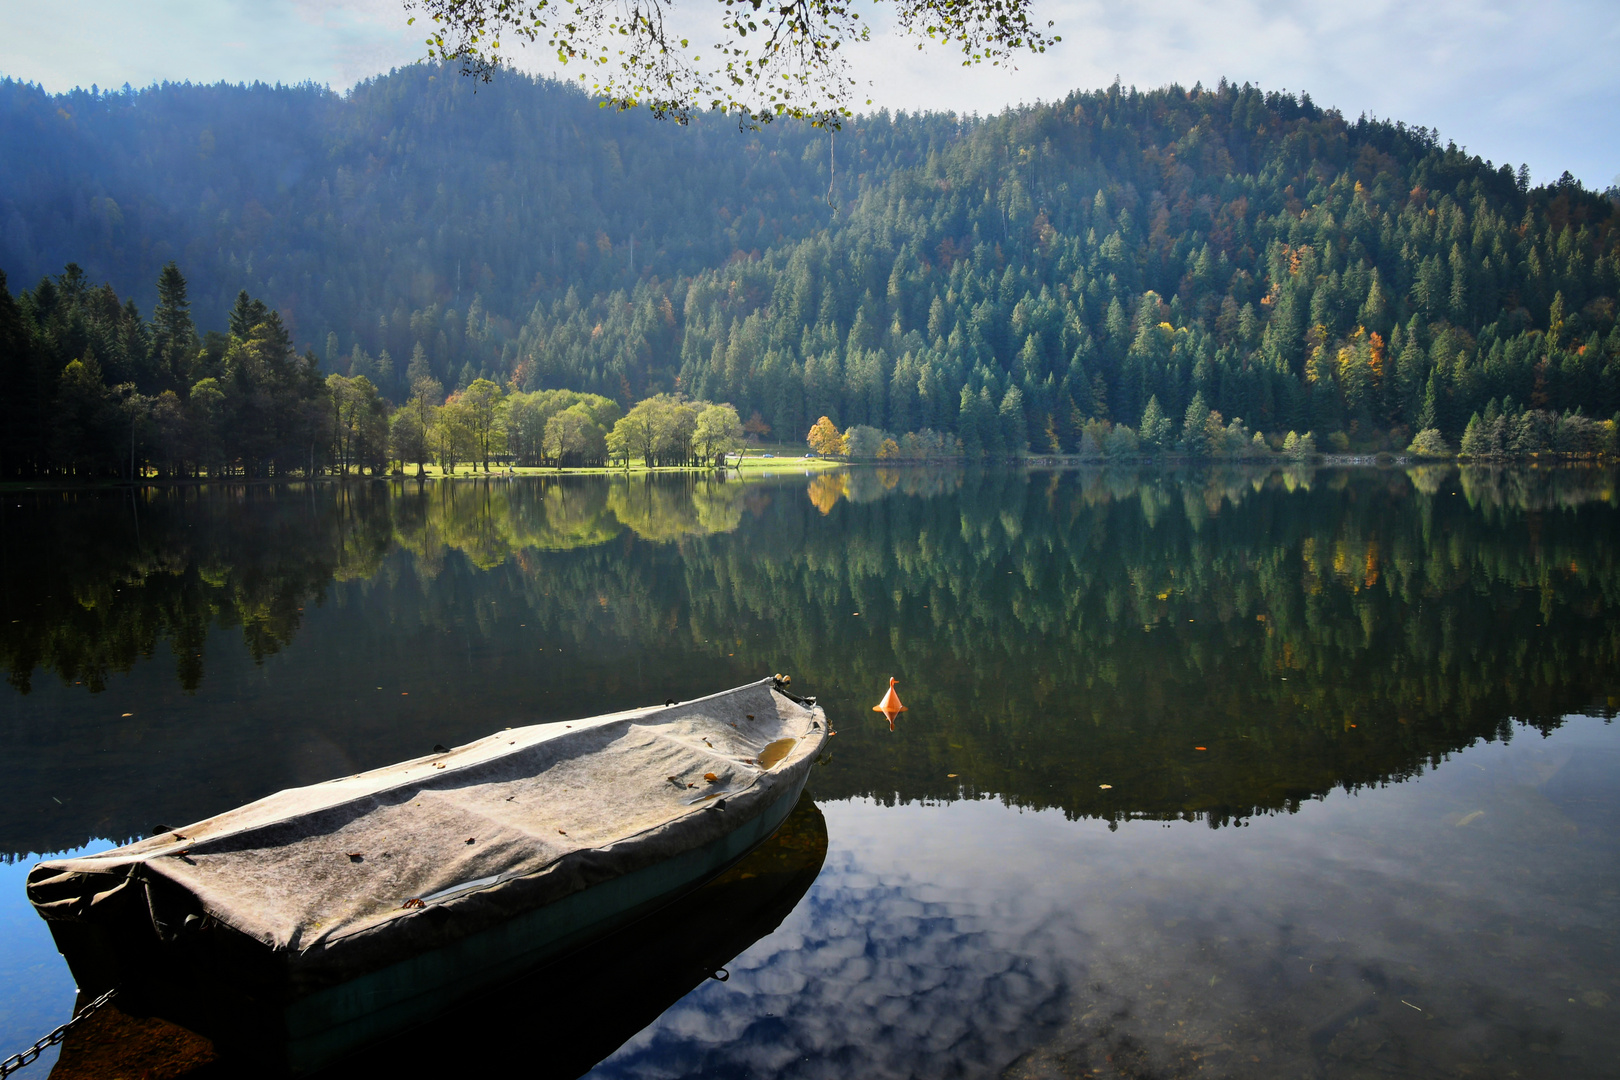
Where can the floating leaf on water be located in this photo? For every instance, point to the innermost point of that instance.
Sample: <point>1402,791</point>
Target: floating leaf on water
<point>1475,816</point>
<point>950,776</point>
<point>1106,787</point>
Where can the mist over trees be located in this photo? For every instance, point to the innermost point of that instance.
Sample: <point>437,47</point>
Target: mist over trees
<point>1118,272</point>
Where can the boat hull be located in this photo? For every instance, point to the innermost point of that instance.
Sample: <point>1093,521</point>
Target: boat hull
<point>270,929</point>
<point>333,1022</point>
<point>602,994</point>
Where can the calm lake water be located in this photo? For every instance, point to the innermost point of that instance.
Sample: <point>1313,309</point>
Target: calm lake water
<point>1229,773</point>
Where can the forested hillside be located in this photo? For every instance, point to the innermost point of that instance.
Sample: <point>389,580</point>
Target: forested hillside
<point>1117,258</point>
<point>373,214</point>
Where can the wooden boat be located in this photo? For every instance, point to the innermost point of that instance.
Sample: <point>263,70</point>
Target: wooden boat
<point>323,918</point>
<point>600,995</point>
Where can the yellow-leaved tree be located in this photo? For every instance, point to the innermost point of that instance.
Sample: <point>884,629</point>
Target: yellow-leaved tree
<point>824,438</point>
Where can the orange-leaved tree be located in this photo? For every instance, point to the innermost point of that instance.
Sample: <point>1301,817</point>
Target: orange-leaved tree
<point>825,439</point>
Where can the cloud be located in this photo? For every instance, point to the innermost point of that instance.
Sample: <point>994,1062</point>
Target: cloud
<point>111,42</point>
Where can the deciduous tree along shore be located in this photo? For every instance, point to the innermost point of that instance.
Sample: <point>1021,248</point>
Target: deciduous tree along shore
<point>242,403</point>
<point>1081,277</point>
<point>139,399</point>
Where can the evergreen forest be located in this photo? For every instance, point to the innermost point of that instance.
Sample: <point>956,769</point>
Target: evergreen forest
<point>1202,271</point>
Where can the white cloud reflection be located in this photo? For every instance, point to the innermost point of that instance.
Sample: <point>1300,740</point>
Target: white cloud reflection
<point>975,939</point>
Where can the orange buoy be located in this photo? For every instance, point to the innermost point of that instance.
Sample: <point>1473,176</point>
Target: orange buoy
<point>890,702</point>
<point>890,706</point>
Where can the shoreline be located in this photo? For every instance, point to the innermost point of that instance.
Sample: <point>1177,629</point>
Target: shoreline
<point>434,474</point>
<point>762,467</point>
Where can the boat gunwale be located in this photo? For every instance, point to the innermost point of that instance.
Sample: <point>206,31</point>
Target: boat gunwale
<point>142,850</point>
<point>138,862</point>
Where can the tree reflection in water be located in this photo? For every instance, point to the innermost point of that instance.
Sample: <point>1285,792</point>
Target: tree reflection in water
<point>1067,639</point>
<point>1011,882</point>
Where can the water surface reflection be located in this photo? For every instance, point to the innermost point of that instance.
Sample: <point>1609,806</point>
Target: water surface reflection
<point>1459,925</point>
<point>1087,658</point>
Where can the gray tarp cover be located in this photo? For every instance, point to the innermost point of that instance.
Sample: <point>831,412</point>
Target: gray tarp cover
<point>497,826</point>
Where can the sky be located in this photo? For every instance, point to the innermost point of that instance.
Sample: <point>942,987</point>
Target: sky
<point>1520,81</point>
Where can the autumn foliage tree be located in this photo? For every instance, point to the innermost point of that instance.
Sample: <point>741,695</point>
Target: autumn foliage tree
<point>825,438</point>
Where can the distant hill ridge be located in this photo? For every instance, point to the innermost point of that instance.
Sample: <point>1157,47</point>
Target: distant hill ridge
<point>1119,255</point>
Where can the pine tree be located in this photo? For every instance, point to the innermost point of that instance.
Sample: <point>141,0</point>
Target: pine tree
<point>1411,371</point>
<point>1374,314</point>
<point>247,313</point>
<point>967,424</point>
<point>1014,427</point>
<point>1194,433</point>
<point>1428,414</point>
<point>1099,397</point>
<point>989,423</point>
<point>1155,433</point>
<point>174,337</point>
<point>1459,286</point>
<point>23,393</point>
<point>1476,439</point>
<point>419,368</point>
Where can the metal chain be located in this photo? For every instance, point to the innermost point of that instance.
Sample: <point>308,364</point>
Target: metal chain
<point>29,1056</point>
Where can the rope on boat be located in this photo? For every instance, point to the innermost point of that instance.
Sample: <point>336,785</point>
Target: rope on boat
<point>29,1056</point>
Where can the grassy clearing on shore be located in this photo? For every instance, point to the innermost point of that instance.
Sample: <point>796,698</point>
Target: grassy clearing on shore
<point>751,463</point>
